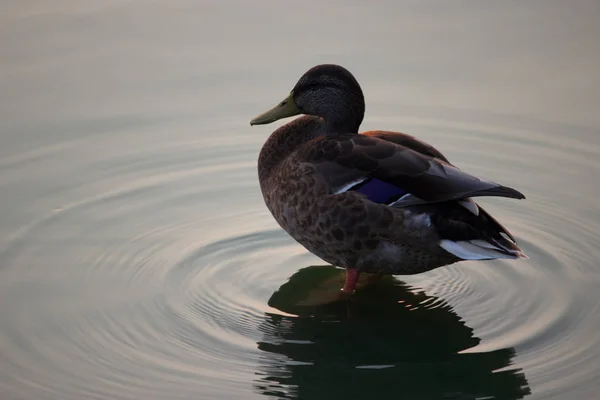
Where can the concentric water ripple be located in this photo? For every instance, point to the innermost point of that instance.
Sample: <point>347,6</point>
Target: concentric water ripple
<point>138,261</point>
<point>539,306</point>
<point>147,273</point>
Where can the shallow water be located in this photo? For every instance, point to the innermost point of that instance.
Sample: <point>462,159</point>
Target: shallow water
<point>137,259</point>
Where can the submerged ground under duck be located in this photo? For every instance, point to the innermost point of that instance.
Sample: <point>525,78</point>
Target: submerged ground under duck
<point>379,202</point>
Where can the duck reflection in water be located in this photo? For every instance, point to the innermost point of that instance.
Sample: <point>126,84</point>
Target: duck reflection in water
<point>388,341</point>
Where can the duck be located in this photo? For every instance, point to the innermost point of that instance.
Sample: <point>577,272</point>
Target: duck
<point>376,202</point>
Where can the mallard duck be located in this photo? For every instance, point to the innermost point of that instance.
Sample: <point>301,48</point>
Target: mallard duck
<point>376,202</point>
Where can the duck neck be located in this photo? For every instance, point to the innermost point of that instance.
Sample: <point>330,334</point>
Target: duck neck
<point>344,117</point>
<point>340,125</point>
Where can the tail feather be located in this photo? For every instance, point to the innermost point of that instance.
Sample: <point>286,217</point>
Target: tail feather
<point>491,242</point>
<point>481,250</point>
<point>501,229</point>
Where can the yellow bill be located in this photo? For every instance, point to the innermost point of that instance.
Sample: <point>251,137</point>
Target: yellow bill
<point>287,108</point>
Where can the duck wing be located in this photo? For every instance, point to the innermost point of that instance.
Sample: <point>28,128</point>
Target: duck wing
<point>392,173</point>
<point>424,148</point>
<point>408,141</point>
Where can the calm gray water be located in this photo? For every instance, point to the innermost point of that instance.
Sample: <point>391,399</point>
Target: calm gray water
<point>138,261</point>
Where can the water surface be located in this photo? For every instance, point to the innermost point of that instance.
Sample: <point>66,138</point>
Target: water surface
<point>137,259</point>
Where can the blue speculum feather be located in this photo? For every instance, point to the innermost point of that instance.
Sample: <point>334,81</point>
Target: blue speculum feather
<point>379,191</point>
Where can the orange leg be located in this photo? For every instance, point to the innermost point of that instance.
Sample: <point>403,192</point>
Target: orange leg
<point>352,275</point>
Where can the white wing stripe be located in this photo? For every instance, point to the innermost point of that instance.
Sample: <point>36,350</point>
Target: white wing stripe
<point>349,185</point>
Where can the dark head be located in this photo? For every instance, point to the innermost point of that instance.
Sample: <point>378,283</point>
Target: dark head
<point>327,91</point>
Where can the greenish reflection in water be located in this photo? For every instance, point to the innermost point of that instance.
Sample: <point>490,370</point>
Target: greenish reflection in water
<point>388,341</point>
